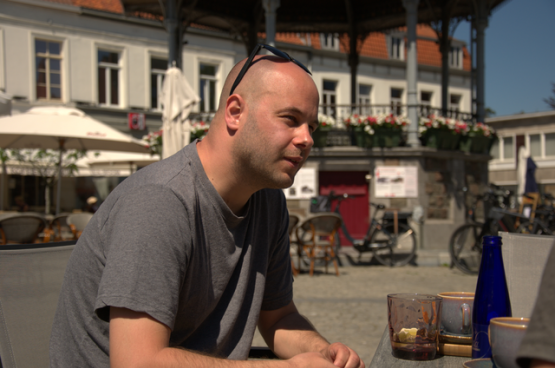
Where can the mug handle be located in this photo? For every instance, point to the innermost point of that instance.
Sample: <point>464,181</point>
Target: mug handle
<point>465,309</point>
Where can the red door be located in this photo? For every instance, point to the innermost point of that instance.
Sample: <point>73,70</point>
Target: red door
<point>355,211</point>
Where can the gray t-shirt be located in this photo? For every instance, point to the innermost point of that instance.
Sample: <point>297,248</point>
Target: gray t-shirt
<point>538,342</point>
<point>165,243</point>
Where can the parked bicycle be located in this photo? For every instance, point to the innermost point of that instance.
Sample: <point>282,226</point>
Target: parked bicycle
<point>465,245</point>
<point>392,243</point>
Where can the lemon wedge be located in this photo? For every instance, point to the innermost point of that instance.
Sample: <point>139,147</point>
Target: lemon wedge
<point>407,335</point>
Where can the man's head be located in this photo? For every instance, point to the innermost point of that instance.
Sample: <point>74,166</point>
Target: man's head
<point>267,121</point>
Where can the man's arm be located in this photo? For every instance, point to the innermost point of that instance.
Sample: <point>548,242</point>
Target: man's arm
<point>289,334</point>
<point>138,340</point>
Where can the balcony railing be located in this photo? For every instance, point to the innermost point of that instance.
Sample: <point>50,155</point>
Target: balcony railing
<point>341,112</point>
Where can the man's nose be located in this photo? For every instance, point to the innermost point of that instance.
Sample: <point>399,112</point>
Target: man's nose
<point>303,137</point>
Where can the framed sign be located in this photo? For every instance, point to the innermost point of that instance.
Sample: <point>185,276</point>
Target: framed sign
<point>396,182</point>
<point>304,186</point>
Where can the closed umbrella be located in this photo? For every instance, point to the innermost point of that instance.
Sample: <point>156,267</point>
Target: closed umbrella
<point>178,98</point>
<point>531,185</point>
<point>61,128</point>
<point>523,154</point>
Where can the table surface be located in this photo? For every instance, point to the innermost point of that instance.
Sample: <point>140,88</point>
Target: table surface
<point>384,358</point>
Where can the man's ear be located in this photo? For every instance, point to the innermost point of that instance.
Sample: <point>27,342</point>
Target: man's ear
<point>234,109</point>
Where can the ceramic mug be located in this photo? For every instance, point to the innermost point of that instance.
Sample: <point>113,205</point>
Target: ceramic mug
<point>456,315</point>
<point>505,336</point>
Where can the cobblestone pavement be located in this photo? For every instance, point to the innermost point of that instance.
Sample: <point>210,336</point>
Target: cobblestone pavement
<point>352,308</point>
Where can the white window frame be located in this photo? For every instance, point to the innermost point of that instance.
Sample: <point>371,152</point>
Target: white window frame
<point>396,47</point>
<point>456,107</point>
<point>456,56</point>
<point>328,95</point>
<point>305,38</point>
<point>396,103</point>
<point>503,163</point>
<point>365,100</point>
<point>329,41</point>
<point>49,57</point>
<point>64,68</point>
<point>543,156</point>
<point>119,67</point>
<point>159,80</point>
<point>206,92</point>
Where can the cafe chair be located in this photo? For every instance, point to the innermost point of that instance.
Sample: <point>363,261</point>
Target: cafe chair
<point>77,223</point>
<point>23,229</point>
<point>30,283</point>
<point>293,222</point>
<point>316,237</point>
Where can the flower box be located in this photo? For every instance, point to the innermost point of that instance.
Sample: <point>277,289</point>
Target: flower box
<point>387,138</point>
<point>479,139</point>
<point>320,138</point>
<point>361,137</point>
<point>442,139</point>
<point>377,131</point>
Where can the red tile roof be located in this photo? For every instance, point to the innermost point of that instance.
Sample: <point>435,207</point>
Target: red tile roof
<point>112,6</point>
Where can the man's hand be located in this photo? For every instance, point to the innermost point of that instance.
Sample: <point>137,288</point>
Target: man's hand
<point>342,356</point>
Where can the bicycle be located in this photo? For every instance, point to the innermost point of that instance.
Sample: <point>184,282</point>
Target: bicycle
<point>392,244</point>
<point>465,245</point>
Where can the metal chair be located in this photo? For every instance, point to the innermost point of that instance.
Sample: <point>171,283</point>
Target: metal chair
<point>77,223</point>
<point>316,236</point>
<point>31,278</point>
<point>23,229</point>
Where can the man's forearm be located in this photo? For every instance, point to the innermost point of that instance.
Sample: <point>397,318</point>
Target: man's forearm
<point>293,335</point>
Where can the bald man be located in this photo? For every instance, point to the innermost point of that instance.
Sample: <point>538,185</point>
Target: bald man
<point>188,256</point>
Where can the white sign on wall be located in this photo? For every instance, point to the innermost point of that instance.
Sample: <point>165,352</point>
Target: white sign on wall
<point>396,182</point>
<point>304,185</point>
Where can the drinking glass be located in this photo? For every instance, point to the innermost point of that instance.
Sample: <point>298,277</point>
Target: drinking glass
<point>414,325</point>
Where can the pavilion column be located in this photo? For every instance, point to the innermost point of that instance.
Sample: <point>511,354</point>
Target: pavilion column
<point>270,7</point>
<point>173,33</point>
<point>481,25</point>
<point>411,7</point>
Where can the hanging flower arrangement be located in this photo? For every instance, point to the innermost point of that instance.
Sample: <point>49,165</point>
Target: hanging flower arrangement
<point>154,142</point>
<point>432,122</point>
<point>326,122</point>
<point>199,129</point>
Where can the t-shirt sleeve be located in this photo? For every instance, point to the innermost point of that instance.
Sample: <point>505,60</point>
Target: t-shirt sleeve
<point>147,245</point>
<point>279,278</point>
<point>538,341</point>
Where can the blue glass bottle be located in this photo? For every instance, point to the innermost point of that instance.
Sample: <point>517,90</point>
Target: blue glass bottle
<point>492,296</point>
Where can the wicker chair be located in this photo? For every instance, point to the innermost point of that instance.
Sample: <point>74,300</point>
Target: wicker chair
<point>60,228</point>
<point>23,229</point>
<point>316,236</point>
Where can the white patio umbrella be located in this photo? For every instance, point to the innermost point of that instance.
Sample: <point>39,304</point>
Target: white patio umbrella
<point>178,98</point>
<point>111,163</point>
<point>523,154</point>
<point>61,128</point>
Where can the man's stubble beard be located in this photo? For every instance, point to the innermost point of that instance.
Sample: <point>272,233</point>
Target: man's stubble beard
<point>255,164</point>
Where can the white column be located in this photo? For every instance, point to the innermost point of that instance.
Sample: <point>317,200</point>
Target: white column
<point>270,7</point>
<point>411,7</point>
<point>481,25</point>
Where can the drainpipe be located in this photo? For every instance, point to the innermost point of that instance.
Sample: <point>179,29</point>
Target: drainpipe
<point>481,25</point>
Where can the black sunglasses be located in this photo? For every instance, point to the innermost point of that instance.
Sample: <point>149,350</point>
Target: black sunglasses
<point>256,50</point>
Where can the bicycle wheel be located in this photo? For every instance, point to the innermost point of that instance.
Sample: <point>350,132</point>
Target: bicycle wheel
<point>465,248</point>
<point>400,249</point>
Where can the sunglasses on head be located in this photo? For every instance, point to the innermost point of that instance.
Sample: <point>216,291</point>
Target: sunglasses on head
<point>256,50</point>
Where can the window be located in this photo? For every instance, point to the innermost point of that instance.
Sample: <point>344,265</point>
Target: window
<point>542,145</point>
<point>503,149</point>
<point>48,63</point>
<point>157,72</point>
<point>396,100</point>
<point>455,57</point>
<point>364,99</point>
<point>108,78</point>
<point>454,102</point>
<point>425,102</point>
<point>550,144</point>
<point>396,48</point>
<point>208,87</point>
<point>535,145</point>
<point>329,41</point>
<point>329,98</point>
